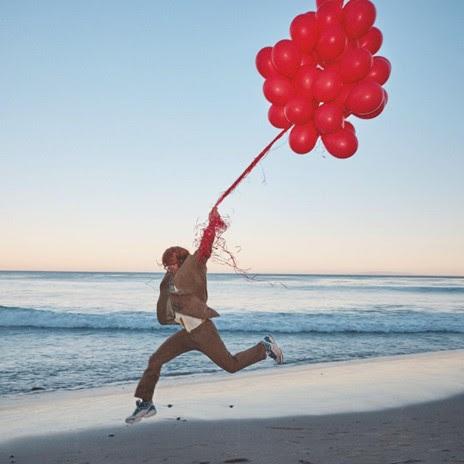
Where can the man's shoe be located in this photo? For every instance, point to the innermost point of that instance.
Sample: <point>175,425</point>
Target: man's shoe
<point>272,349</point>
<point>143,409</point>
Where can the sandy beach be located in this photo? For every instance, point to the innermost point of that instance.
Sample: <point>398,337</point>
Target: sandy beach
<point>392,410</point>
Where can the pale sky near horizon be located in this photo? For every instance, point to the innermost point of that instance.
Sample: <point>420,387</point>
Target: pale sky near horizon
<point>122,122</point>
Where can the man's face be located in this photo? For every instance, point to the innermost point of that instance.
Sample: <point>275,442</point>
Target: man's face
<point>171,267</point>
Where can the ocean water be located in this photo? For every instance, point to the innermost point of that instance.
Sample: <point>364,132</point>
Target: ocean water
<point>81,330</point>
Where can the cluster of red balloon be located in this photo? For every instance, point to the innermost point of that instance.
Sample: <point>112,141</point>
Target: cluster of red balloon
<point>326,72</point>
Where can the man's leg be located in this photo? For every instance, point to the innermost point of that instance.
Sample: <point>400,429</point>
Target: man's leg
<point>174,346</point>
<point>209,342</point>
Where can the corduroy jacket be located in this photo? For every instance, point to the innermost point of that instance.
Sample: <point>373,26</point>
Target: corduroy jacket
<point>191,292</point>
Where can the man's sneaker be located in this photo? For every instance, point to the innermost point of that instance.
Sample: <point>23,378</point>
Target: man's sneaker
<point>272,349</point>
<point>143,409</point>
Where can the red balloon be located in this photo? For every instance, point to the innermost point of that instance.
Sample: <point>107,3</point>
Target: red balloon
<point>278,90</point>
<point>352,44</point>
<point>355,64</point>
<point>341,99</point>
<point>379,110</point>
<point>321,2</point>
<point>349,127</point>
<point>264,63</point>
<point>277,117</point>
<point>358,17</point>
<point>304,31</point>
<point>331,43</point>
<point>304,80</point>
<point>381,70</point>
<point>329,13</point>
<point>308,59</point>
<point>328,118</point>
<point>341,144</point>
<point>334,66</point>
<point>317,58</point>
<point>299,110</point>
<point>286,57</point>
<point>372,40</point>
<point>327,86</point>
<point>302,139</point>
<point>365,97</point>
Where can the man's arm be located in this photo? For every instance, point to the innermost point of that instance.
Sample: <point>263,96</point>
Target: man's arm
<point>209,234</point>
<point>162,305</point>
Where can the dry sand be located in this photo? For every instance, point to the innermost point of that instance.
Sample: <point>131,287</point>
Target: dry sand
<point>396,410</point>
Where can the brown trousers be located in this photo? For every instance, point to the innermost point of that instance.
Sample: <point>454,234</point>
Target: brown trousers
<point>206,339</point>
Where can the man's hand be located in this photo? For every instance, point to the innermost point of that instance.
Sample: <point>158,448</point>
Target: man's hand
<point>213,215</point>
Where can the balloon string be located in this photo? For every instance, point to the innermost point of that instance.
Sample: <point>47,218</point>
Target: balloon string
<point>211,234</point>
<point>249,168</point>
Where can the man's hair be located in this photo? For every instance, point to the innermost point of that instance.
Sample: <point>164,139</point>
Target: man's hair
<point>175,254</point>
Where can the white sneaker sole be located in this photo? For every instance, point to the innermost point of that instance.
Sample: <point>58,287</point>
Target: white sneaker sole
<point>150,413</point>
<point>134,420</point>
<point>276,350</point>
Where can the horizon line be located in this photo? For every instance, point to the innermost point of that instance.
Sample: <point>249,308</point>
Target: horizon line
<point>339,274</point>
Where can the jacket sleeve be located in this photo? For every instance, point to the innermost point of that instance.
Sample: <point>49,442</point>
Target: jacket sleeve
<point>206,245</point>
<point>161,307</point>
<point>215,225</point>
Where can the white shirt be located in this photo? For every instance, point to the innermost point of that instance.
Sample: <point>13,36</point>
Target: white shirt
<point>187,322</point>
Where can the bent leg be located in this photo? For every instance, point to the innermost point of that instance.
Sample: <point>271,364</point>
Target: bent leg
<point>174,346</point>
<point>210,343</point>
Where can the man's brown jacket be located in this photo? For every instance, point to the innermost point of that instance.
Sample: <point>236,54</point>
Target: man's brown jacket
<point>191,292</point>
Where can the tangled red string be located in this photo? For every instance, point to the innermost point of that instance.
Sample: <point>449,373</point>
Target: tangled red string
<point>211,240</point>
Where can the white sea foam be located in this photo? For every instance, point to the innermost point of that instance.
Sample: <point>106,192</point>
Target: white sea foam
<point>378,320</point>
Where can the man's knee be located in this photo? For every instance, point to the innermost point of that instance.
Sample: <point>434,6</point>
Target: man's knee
<point>155,362</point>
<point>231,368</point>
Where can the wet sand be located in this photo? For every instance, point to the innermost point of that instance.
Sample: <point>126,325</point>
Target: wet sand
<point>398,410</point>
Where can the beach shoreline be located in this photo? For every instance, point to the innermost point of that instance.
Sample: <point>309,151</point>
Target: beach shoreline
<point>427,433</point>
<point>312,400</point>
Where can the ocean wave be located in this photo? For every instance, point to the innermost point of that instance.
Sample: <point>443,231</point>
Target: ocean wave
<point>380,288</point>
<point>42,318</point>
<point>419,289</point>
<point>375,321</point>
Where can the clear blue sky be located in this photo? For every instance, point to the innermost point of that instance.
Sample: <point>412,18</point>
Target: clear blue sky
<point>122,122</point>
